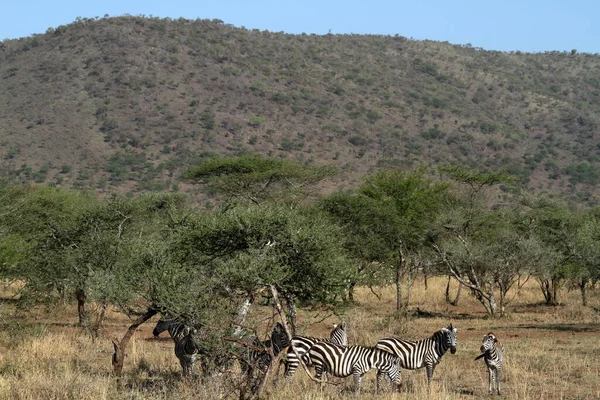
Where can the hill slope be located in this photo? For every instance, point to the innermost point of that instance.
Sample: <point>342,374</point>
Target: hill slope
<point>126,104</point>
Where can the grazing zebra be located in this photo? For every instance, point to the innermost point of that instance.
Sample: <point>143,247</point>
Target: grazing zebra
<point>342,361</point>
<point>492,354</point>
<point>415,354</point>
<point>262,358</point>
<point>176,327</point>
<point>186,348</point>
<point>302,344</point>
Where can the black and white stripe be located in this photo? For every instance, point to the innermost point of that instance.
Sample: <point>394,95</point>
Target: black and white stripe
<point>342,361</point>
<point>415,354</point>
<point>259,357</point>
<point>492,354</point>
<point>339,336</point>
<point>187,349</point>
<point>176,327</point>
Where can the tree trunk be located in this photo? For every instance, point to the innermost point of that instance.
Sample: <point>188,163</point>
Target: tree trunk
<point>120,347</point>
<point>292,312</point>
<point>99,320</point>
<point>493,307</point>
<point>458,291</point>
<point>550,291</point>
<point>351,291</point>
<point>555,289</point>
<point>399,272</point>
<point>242,313</point>
<point>425,278</point>
<point>582,287</point>
<point>81,298</point>
<point>457,297</point>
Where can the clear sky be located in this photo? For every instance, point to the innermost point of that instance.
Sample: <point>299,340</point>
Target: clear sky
<point>526,25</point>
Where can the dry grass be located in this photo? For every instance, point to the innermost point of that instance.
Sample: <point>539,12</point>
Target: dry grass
<point>552,353</point>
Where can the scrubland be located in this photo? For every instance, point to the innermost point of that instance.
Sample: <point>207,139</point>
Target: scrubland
<point>551,352</point>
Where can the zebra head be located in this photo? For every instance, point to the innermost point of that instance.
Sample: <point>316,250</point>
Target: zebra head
<point>161,326</point>
<point>339,334</point>
<point>450,338</point>
<point>488,342</point>
<point>279,338</point>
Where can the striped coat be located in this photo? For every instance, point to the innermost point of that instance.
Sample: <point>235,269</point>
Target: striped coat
<point>416,354</point>
<point>339,336</point>
<point>492,353</point>
<point>342,361</point>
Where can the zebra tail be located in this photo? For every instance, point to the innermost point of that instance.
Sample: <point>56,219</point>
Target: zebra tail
<point>479,356</point>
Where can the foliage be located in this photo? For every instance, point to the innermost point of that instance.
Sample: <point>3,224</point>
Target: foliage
<point>219,85</point>
<point>259,179</point>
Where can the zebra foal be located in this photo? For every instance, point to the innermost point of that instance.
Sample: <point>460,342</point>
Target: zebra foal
<point>492,353</point>
<point>342,361</point>
<point>416,354</point>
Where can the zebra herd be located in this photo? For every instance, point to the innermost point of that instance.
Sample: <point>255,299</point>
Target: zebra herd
<point>333,355</point>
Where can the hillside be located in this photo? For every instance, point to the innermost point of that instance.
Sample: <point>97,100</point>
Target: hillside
<point>126,104</point>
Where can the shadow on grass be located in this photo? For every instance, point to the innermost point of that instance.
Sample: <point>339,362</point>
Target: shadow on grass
<point>588,327</point>
<point>417,312</point>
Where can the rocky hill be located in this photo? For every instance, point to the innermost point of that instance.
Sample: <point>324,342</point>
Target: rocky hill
<point>126,104</point>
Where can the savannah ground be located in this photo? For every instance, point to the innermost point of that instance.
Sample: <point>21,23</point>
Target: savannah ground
<point>551,352</point>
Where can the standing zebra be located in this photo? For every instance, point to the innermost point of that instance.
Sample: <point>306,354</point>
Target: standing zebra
<point>262,358</point>
<point>492,354</point>
<point>420,353</point>
<point>302,344</point>
<point>342,361</point>
<point>186,348</point>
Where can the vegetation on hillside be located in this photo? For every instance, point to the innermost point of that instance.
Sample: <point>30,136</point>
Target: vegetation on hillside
<point>127,104</point>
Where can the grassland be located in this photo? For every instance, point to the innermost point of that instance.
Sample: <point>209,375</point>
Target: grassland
<point>552,352</point>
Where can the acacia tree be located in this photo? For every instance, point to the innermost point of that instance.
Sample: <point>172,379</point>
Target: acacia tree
<point>574,235</point>
<point>246,249</point>
<point>569,235</point>
<point>584,265</point>
<point>390,215</point>
<point>482,248</point>
<point>257,179</point>
<point>370,231</point>
<point>13,247</point>
<point>254,179</point>
<point>75,243</point>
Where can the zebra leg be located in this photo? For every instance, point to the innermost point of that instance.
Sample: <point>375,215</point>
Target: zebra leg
<point>490,380</point>
<point>498,381</point>
<point>379,374</point>
<point>290,367</point>
<point>357,383</point>
<point>185,369</point>
<point>319,374</point>
<point>430,368</point>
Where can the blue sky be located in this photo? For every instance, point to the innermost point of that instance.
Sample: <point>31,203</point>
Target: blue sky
<point>525,25</point>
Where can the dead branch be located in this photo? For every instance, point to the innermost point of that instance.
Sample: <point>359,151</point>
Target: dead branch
<point>287,331</point>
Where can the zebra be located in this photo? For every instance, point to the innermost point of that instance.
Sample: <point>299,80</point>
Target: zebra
<point>302,344</point>
<point>416,354</point>
<point>176,327</point>
<point>343,361</point>
<point>492,353</point>
<point>187,349</point>
<point>262,358</point>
